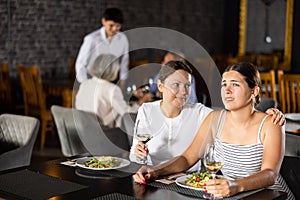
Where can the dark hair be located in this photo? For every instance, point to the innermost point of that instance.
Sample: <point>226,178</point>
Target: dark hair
<point>113,14</point>
<point>250,73</point>
<point>170,67</point>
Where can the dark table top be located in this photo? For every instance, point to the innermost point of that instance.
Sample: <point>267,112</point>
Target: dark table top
<point>107,185</point>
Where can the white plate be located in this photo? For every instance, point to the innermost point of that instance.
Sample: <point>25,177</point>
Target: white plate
<point>80,163</point>
<point>293,116</point>
<point>181,182</point>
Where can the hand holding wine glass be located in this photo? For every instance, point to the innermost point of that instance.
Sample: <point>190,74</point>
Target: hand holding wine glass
<point>213,161</point>
<point>142,135</point>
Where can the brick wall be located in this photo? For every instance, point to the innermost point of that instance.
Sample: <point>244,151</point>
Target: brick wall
<point>49,32</point>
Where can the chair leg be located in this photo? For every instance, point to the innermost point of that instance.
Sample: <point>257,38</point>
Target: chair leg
<point>43,134</point>
<point>47,126</point>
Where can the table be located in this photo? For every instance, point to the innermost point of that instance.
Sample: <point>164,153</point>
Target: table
<point>292,127</point>
<point>113,187</point>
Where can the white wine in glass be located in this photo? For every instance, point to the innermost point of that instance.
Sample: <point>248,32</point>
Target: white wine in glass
<point>213,161</point>
<point>143,137</point>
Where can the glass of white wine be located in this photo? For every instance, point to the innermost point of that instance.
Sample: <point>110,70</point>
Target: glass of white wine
<point>213,161</point>
<point>142,135</point>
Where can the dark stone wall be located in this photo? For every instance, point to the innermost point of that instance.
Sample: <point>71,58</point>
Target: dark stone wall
<point>46,33</point>
<point>49,32</point>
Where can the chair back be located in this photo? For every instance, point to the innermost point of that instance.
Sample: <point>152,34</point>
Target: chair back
<point>242,58</point>
<point>97,139</point>
<point>289,92</point>
<point>34,98</point>
<point>5,86</point>
<point>70,142</point>
<point>268,62</point>
<point>17,136</point>
<point>268,84</point>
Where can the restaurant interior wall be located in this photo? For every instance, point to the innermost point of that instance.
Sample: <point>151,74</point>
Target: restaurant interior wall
<point>49,33</point>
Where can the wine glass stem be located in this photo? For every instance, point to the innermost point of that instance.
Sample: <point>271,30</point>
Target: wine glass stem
<point>213,176</point>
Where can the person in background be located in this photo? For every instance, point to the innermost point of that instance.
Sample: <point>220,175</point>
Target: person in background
<point>99,95</point>
<point>252,144</point>
<point>168,57</point>
<point>172,122</point>
<point>107,39</point>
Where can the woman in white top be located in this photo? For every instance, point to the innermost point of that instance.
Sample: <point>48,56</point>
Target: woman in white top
<point>102,97</point>
<point>164,119</point>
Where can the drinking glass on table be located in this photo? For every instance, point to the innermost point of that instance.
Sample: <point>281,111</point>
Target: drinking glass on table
<point>213,161</point>
<point>142,135</point>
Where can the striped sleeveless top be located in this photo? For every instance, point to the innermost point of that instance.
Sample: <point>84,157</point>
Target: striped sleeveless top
<point>243,160</point>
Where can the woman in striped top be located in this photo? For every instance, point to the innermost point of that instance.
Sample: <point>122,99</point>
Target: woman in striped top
<point>253,146</point>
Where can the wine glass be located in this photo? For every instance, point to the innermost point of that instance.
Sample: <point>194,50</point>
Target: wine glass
<point>213,161</point>
<point>142,135</point>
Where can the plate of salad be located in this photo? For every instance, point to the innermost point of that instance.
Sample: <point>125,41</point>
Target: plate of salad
<point>194,181</point>
<point>102,162</point>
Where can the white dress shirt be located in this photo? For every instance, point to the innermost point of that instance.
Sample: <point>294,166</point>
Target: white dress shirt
<point>103,98</point>
<point>95,44</point>
<point>171,136</point>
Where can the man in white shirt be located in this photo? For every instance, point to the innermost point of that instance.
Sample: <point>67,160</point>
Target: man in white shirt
<point>107,39</point>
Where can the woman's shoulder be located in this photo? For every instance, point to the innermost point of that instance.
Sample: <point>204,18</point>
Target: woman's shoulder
<point>265,121</point>
<point>150,105</point>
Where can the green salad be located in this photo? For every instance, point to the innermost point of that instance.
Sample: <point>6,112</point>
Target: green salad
<point>198,180</point>
<point>102,162</point>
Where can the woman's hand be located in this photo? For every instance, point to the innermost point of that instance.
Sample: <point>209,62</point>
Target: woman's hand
<point>143,174</point>
<point>277,116</point>
<point>140,151</point>
<point>221,187</point>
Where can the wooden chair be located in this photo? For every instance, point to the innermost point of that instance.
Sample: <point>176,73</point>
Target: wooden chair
<point>267,62</point>
<point>72,72</point>
<point>5,88</point>
<point>268,84</point>
<point>34,98</point>
<point>289,92</point>
<point>242,58</point>
<point>135,63</point>
<point>67,97</point>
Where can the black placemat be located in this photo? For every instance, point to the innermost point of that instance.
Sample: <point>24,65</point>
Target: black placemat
<point>32,185</point>
<point>195,193</point>
<point>118,173</point>
<point>115,196</point>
